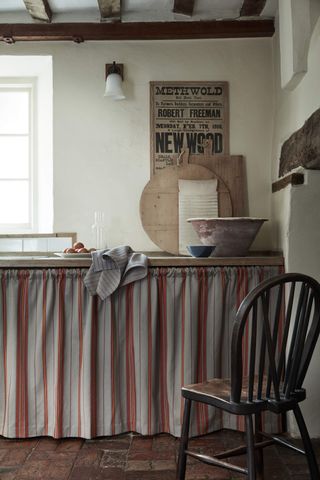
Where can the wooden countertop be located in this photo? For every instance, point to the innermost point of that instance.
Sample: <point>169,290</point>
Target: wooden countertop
<point>156,259</point>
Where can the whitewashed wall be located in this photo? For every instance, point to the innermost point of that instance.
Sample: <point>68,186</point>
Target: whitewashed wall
<point>295,210</point>
<point>101,148</point>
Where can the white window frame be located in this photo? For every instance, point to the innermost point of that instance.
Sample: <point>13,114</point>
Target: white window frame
<point>25,85</point>
<point>37,69</point>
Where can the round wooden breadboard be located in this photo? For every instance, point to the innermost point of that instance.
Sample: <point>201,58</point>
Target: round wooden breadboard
<point>159,204</point>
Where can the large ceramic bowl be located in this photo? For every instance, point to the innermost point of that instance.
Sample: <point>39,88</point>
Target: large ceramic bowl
<point>231,235</point>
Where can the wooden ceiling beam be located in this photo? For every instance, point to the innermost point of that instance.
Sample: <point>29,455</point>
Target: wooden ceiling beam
<point>39,10</point>
<point>110,10</point>
<point>79,32</point>
<point>184,6</point>
<point>252,8</point>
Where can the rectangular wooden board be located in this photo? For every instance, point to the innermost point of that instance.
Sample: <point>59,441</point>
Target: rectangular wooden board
<point>231,169</point>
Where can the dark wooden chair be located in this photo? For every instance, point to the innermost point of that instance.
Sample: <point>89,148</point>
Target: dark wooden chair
<point>280,319</point>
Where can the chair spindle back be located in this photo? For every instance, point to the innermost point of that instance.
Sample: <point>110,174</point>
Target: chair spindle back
<point>279,323</point>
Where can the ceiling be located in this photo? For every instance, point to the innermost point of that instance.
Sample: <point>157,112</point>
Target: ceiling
<point>44,19</point>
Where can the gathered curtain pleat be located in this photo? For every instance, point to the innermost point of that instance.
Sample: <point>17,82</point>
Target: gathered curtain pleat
<point>72,365</point>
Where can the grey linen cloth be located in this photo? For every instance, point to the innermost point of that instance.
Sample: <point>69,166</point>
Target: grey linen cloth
<point>114,268</point>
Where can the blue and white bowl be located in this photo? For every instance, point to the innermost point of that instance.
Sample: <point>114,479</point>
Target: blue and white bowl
<point>200,250</point>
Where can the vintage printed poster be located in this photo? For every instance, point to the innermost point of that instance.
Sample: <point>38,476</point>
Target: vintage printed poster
<point>185,114</point>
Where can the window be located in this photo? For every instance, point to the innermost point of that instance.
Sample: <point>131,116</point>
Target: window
<point>26,152</point>
<point>17,159</point>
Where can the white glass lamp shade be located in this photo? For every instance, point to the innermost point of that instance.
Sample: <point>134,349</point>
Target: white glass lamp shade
<point>114,87</point>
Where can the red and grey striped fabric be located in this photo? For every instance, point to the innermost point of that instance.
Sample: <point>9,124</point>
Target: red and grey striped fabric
<point>72,365</point>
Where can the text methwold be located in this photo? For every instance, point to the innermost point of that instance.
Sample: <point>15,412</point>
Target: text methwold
<point>186,91</point>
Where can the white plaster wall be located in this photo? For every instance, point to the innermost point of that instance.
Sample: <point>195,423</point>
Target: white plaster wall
<point>303,255</point>
<point>280,215</point>
<point>295,210</point>
<point>101,147</point>
<point>304,227</point>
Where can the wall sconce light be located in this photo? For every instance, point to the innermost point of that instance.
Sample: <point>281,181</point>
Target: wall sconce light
<point>114,78</point>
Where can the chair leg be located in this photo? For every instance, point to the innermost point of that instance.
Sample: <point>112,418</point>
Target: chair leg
<point>259,451</point>
<point>182,461</point>
<point>284,423</point>
<point>250,448</point>
<point>311,458</point>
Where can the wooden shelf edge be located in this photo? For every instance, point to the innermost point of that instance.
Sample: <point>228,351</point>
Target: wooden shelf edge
<point>216,262</point>
<point>54,262</point>
<point>291,179</point>
<point>38,235</point>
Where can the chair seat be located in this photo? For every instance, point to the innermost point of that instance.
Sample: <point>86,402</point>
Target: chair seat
<point>217,392</point>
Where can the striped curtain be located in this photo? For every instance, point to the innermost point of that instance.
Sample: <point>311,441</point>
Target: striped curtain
<point>74,366</point>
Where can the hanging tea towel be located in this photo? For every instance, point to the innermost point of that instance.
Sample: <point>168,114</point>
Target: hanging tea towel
<point>114,268</point>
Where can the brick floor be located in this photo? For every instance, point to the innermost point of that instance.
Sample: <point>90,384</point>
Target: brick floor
<point>133,457</point>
